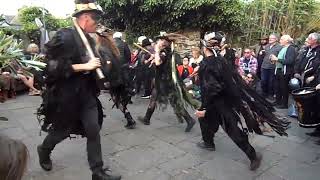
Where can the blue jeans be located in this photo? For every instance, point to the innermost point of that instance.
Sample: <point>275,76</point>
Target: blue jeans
<point>267,81</point>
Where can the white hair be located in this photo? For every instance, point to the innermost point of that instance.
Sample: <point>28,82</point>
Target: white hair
<point>315,36</point>
<point>287,37</point>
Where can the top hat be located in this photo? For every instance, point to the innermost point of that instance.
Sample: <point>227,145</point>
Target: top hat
<point>83,6</point>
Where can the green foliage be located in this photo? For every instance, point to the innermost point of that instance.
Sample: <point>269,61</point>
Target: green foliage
<point>291,17</point>
<point>27,17</point>
<point>10,49</point>
<point>151,16</point>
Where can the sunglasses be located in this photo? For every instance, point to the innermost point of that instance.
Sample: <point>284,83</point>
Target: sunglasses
<point>246,52</point>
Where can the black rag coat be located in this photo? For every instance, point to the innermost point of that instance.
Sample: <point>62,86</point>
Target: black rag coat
<point>67,91</point>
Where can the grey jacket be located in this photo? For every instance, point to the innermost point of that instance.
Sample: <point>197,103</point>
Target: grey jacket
<point>266,64</point>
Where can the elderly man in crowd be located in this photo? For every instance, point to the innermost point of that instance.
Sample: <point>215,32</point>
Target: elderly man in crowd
<point>268,66</point>
<point>284,71</point>
<point>307,66</point>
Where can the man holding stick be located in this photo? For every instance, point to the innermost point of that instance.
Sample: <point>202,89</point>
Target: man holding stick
<point>70,101</point>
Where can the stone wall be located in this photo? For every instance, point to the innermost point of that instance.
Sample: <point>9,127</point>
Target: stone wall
<point>184,45</point>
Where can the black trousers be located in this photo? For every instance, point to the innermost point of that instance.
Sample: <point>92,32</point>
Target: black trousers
<point>89,119</point>
<point>139,78</point>
<point>282,88</point>
<point>228,121</point>
<point>149,76</point>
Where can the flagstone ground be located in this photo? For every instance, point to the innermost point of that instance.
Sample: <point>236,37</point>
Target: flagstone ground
<point>161,151</point>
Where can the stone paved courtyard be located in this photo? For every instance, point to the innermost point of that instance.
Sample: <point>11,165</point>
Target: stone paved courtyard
<point>161,151</point>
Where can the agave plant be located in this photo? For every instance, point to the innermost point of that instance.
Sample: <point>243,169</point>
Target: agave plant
<point>34,62</point>
<point>10,49</point>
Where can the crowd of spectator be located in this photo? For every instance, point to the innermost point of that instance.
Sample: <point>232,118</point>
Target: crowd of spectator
<point>275,61</point>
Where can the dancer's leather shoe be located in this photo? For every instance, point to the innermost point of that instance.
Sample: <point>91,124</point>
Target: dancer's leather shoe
<point>44,159</point>
<point>255,164</point>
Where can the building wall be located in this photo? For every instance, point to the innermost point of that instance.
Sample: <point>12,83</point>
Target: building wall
<point>184,45</point>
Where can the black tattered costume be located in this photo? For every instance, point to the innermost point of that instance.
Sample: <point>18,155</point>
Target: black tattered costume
<point>167,88</point>
<point>225,98</point>
<point>70,100</point>
<point>116,70</point>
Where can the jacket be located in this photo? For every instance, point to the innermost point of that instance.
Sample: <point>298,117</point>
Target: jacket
<point>252,66</point>
<point>66,91</point>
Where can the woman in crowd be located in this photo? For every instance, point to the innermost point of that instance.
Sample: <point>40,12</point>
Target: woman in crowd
<point>185,70</point>
<point>28,80</point>
<point>284,71</point>
<point>196,57</point>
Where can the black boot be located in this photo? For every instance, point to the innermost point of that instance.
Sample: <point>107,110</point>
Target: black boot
<point>44,159</point>
<point>146,119</point>
<point>207,146</point>
<point>190,123</point>
<point>255,164</point>
<point>102,175</point>
<point>131,124</point>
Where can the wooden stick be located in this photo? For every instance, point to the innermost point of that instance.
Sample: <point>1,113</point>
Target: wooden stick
<point>142,48</point>
<point>87,45</point>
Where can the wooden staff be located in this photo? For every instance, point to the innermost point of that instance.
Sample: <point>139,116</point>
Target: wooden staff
<point>87,45</point>
<point>146,50</point>
<point>142,48</point>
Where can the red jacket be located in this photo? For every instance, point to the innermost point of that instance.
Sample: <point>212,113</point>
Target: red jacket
<point>180,70</point>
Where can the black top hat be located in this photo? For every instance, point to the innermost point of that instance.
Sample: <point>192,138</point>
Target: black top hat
<point>83,6</point>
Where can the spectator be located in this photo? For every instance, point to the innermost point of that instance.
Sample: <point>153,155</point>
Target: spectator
<point>196,57</point>
<point>251,80</point>
<point>284,71</point>
<point>185,70</point>
<point>306,67</point>
<point>13,158</point>
<point>26,78</point>
<point>268,67</point>
<point>32,49</point>
<point>134,57</point>
<point>7,86</point>
<point>259,53</point>
<point>247,64</point>
<point>303,49</point>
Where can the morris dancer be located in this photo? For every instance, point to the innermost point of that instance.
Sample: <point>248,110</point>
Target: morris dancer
<point>224,95</point>
<point>166,86</point>
<point>70,101</point>
<point>116,72</point>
